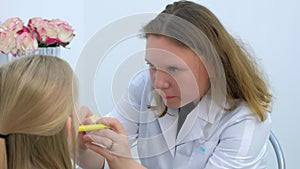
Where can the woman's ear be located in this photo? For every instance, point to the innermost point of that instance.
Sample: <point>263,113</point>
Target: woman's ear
<point>69,126</point>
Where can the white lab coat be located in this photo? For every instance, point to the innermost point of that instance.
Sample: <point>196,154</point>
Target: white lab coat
<point>226,140</point>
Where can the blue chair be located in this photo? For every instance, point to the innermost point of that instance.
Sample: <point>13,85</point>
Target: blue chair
<point>278,151</point>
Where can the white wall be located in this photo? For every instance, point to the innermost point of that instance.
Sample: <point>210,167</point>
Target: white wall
<point>271,28</point>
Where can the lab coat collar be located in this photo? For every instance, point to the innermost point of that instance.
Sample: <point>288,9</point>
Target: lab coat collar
<point>207,109</point>
<point>198,123</point>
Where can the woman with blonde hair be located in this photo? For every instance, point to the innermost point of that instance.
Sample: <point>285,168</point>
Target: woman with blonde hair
<point>37,106</point>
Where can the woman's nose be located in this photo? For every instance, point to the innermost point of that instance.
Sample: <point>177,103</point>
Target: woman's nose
<point>160,79</point>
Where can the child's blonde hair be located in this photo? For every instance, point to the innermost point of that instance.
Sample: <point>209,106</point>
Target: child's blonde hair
<point>37,97</point>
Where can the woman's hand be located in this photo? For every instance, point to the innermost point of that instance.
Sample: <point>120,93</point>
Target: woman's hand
<point>84,118</point>
<point>87,158</point>
<point>112,144</point>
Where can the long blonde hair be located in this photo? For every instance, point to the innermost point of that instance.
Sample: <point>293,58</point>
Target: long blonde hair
<point>243,78</point>
<point>37,97</point>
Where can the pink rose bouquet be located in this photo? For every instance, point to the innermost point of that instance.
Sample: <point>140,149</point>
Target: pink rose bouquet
<point>16,38</point>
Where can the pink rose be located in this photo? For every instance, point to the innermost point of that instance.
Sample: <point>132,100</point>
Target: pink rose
<point>65,33</point>
<point>16,38</point>
<point>26,42</point>
<point>48,33</point>
<point>57,21</point>
<point>8,42</point>
<point>13,24</point>
<point>36,25</point>
<point>51,32</point>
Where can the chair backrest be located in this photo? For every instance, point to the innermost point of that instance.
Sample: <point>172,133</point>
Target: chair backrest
<point>278,151</point>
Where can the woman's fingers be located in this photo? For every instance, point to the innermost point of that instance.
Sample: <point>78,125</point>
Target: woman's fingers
<point>114,124</point>
<point>101,141</point>
<point>84,118</point>
<point>114,140</point>
<point>85,111</point>
<point>116,152</point>
<point>84,115</point>
<point>99,149</point>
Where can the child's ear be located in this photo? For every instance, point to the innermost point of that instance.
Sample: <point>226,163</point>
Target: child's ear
<point>69,126</point>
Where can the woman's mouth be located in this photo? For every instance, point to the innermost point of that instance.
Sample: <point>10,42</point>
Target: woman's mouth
<point>169,97</point>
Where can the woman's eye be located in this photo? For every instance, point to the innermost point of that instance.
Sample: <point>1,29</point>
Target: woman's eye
<point>173,69</point>
<point>151,66</point>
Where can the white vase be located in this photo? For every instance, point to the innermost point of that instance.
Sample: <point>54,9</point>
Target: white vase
<point>47,51</point>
